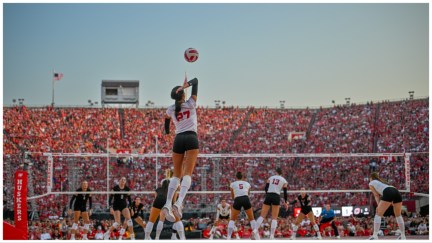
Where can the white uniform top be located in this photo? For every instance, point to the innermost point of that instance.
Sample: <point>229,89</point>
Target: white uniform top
<point>276,184</point>
<point>240,188</point>
<point>379,186</point>
<point>187,117</point>
<point>224,211</point>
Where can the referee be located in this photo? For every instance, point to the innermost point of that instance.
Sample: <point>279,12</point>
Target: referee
<point>328,215</point>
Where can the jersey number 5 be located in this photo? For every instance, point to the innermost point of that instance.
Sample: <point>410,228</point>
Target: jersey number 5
<point>181,115</point>
<point>241,186</point>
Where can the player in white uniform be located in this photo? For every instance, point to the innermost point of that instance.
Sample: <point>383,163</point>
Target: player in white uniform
<point>240,191</point>
<point>222,215</point>
<point>272,199</point>
<point>390,196</point>
<point>184,115</point>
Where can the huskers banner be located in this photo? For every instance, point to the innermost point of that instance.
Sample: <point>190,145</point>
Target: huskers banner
<point>20,200</point>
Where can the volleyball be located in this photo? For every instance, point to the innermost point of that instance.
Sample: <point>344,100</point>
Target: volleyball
<point>191,55</point>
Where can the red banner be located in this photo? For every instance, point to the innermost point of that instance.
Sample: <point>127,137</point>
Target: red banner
<point>20,201</point>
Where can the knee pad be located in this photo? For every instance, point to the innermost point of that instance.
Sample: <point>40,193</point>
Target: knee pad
<point>129,222</point>
<point>75,226</point>
<point>115,225</point>
<point>87,226</point>
<point>187,181</point>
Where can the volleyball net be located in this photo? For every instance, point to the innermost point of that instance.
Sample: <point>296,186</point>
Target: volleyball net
<point>335,178</point>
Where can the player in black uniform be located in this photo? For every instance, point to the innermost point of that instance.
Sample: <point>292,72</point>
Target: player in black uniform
<point>78,204</point>
<point>306,211</point>
<point>137,212</point>
<point>119,206</point>
<point>158,204</point>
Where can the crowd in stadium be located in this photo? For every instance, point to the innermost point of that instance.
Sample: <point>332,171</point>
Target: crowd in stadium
<point>374,127</point>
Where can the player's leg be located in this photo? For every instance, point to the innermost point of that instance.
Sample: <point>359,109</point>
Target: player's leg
<point>397,209</point>
<point>154,213</point>
<point>264,211</point>
<point>299,218</point>
<point>189,166</point>
<point>380,210</point>
<point>174,183</point>
<point>77,214</point>
<point>311,217</point>
<point>231,224</point>
<point>275,214</point>
<point>86,218</point>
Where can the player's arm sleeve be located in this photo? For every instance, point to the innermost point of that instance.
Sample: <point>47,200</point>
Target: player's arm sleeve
<point>194,84</point>
<point>129,199</point>
<point>266,187</point>
<point>167,125</point>
<point>72,201</point>
<point>285,194</point>
<point>111,198</point>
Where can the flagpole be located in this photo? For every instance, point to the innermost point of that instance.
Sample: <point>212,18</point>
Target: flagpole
<point>52,76</point>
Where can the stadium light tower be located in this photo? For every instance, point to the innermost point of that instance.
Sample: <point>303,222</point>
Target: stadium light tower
<point>411,95</point>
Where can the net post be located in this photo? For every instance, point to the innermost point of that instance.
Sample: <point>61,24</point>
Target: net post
<point>407,157</point>
<point>50,161</point>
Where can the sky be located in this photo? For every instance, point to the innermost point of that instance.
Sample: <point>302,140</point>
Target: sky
<point>250,54</point>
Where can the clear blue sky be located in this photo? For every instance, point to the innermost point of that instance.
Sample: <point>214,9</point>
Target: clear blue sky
<point>250,54</point>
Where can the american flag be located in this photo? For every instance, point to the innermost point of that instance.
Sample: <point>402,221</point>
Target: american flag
<point>58,76</point>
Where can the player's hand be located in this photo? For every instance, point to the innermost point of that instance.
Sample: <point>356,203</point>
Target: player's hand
<point>112,211</point>
<point>69,212</point>
<point>90,212</point>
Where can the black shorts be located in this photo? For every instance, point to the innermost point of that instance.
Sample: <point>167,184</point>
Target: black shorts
<point>185,141</point>
<point>242,201</point>
<point>159,202</point>
<point>272,199</point>
<point>306,210</point>
<point>81,208</point>
<point>223,217</point>
<point>391,194</point>
<point>119,207</point>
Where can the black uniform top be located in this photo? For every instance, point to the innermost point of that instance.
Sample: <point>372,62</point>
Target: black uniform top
<point>120,199</point>
<point>80,199</point>
<point>137,210</point>
<point>304,201</point>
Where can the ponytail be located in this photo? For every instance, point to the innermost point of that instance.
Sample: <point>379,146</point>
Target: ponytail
<point>178,104</point>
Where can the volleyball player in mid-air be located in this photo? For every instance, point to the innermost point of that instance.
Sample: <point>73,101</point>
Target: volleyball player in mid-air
<point>306,211</point>
<point>240,191</point>
<point>119,206</point>
<point>273,188</point>
<point>184,115</point>
<point>78,204</point>
<point>390,196</point>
